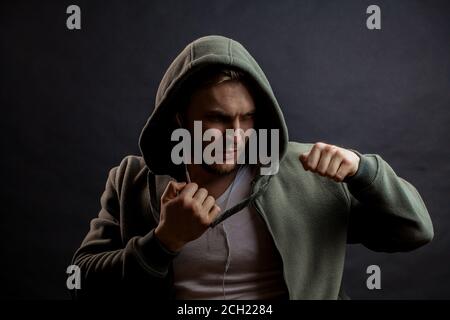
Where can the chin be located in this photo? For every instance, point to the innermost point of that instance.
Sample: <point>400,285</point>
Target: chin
<point>221,169</point>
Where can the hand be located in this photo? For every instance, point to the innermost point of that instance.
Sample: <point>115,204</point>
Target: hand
<point>186,213</point>
<point>330,161</point>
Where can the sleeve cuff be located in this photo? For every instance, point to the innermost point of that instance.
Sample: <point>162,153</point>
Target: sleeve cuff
<point>154,253</point>
<point>366,173</point>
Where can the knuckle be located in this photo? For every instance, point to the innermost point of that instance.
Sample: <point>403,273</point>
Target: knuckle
<point>194,185</point>
<point>320,145</point>
<point>184,198</point>
<point>186,203</point>
<point>195,206</point>
<point>339,152</point>
<point>327,147</point>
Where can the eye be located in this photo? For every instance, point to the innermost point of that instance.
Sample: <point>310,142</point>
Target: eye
<point>249,116</point>
<point>215,117</point>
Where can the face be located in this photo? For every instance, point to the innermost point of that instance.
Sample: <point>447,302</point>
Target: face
<point>227,105</point>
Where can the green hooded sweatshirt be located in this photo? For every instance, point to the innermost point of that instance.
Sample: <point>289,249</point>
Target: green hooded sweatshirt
<point>311,218</point>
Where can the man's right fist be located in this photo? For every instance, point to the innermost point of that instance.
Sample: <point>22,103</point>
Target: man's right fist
<point>186,213</point>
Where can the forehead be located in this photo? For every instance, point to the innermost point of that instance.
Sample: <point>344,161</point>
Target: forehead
<point>228,95</point>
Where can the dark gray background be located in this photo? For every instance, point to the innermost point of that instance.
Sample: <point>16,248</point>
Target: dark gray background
<point>73,104</point>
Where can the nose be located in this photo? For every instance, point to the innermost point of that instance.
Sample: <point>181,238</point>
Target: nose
<point>236,124</point>
<point>237,138</point>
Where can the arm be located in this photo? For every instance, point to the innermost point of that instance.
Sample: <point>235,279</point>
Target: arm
<point>111,268</point>
<point>386,212</point>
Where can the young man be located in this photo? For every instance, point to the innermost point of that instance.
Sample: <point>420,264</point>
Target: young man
<point>225,230</point>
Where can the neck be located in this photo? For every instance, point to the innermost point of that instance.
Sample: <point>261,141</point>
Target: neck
<point>215,183</point>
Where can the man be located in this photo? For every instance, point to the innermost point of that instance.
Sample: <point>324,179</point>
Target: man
<point>225,230</point>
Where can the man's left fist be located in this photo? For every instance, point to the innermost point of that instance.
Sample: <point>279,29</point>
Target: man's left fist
<point>330,161</point>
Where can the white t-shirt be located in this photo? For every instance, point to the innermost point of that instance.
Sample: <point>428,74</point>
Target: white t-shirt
<point>235,260</point>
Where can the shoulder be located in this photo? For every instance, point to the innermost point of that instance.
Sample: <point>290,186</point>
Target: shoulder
<point>130,171</point>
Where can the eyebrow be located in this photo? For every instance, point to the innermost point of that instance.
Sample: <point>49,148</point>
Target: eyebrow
<point>219,112</point>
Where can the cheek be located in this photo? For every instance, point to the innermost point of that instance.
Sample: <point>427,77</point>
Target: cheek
<point>214,125</point>
<point>248,124</point>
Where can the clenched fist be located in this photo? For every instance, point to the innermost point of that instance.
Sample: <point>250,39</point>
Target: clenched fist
<point>330,161</point>
<point>186,213</point>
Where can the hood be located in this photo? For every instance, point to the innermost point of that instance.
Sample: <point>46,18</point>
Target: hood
<point>155,139</point>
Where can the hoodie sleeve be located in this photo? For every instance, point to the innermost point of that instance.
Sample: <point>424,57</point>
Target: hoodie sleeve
<point>138,268</point>
<point>386,212</point>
